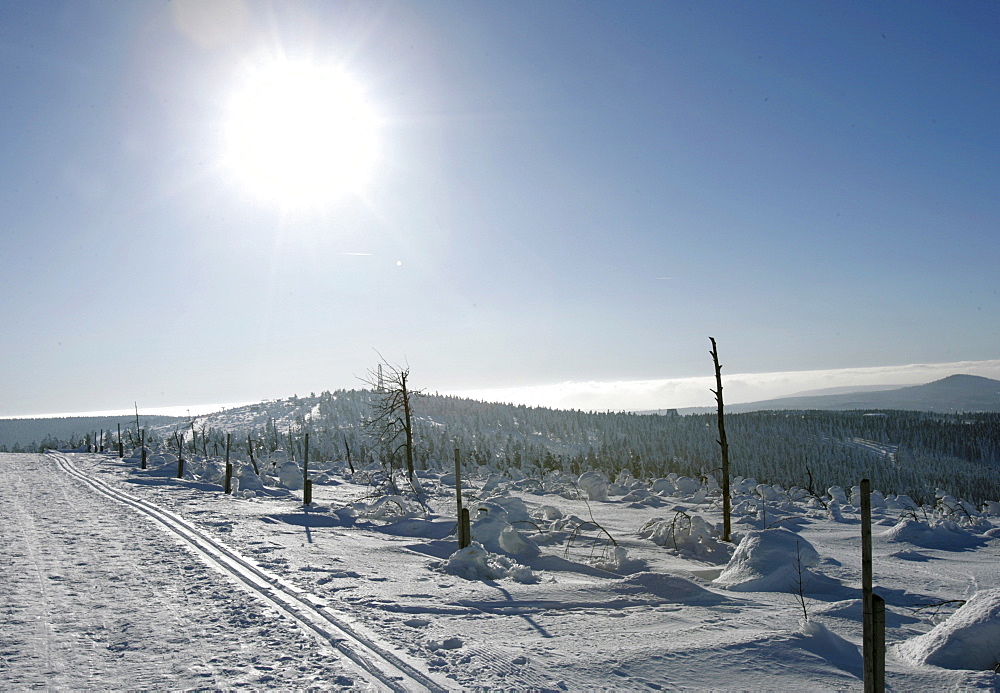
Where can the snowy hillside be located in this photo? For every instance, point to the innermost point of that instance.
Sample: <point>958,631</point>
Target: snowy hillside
<point>573,582</point>
<point>902,452</point>
<point>954,394</point>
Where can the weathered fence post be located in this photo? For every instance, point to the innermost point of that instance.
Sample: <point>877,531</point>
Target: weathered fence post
<point>121,445</point>
<point>229,466</point>
<point>873,642</point>
<point>307,490</point>
<point>466,530</point>
<point>180,454</point>
<point>463,537</point>
<point>142,446</point>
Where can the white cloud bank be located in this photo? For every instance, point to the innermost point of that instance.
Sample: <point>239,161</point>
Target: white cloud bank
<point>739,387</point>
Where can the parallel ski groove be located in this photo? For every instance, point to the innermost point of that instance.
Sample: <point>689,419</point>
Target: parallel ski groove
<point>372,660</point>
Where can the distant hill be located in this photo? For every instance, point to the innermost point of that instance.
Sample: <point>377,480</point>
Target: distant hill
<point>956,393</point>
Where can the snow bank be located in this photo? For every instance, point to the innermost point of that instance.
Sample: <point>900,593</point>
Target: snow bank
<point>476,563</point>
<point>765,561</point>
<point>968,639</point>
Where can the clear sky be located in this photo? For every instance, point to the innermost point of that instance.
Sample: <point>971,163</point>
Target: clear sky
<point>534,193</point>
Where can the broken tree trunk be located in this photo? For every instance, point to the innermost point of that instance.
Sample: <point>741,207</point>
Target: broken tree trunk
<point>723,444</point>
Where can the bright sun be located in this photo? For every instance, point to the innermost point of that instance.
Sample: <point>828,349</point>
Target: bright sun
<point>300,135</point>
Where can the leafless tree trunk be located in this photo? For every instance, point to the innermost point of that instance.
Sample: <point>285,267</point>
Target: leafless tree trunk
<point>391,416</point>
<point>723,444</point>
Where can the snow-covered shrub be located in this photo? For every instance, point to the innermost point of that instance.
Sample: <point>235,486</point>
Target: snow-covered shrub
<point>289,474</point>
<point>594,484</point>
<point>389,508</point>
<point>686,486</point>
<point>474,562</point>
<point>968,639</point>
<point>663,487</point>
<point>689,535</point>
<point>838,495</point>
<point>491,527</point>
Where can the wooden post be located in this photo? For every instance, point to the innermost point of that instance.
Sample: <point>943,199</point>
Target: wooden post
<point>306,484</point>
<point>180,455</point>
<point>142,445</point>
<point>873,647</point>
<point>462,539</point>
<point>878,628</point>
<point>229,466</point>
<point>465,529</point>
<point>723,444</point>
<point>121,445</point>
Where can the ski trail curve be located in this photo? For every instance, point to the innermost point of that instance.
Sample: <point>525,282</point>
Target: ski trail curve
<point>370,659</point>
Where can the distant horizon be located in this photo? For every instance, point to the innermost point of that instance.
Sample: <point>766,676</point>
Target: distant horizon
<point>738,388</point>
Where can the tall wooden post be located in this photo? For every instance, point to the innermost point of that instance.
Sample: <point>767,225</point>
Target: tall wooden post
<point>121,445</point>
<point>723,444</point>
<point>142,445</point>
<point>180,455</point>
<point>306,484</point>
<point>229,466</point>
<point>463,537</point>
<point>873,643</point>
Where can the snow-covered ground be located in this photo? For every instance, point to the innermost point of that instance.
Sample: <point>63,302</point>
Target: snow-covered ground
<point>148,581</point>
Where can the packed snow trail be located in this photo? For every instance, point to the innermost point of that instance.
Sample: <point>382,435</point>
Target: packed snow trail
<point>374,662</point>
<point>94,598</point>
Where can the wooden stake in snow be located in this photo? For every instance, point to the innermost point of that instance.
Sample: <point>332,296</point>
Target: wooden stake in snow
<point>307,487</point>
<point>463,535</point>
<point>121,446</point>
<point>465,529</point>
<point>180,455</point>
<point>142,446</point>
<point>723,444</point>
<point>873,639</point>
<point>229,466</point>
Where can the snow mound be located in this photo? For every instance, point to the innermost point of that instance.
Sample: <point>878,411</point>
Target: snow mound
<point>940,534</point>
<point>476,563</point>
<point>765,561</point>
<point>968,639</point>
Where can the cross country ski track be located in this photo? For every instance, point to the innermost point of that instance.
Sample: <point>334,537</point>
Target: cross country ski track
<point>371,660</point>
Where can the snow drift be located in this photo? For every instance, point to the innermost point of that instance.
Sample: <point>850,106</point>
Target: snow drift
<point>968,639</point>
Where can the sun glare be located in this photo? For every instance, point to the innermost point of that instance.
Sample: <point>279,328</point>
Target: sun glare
<point>300,135</point>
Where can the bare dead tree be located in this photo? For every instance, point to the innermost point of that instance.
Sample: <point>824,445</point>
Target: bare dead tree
<point>391,414</point>
<point>723,444</point>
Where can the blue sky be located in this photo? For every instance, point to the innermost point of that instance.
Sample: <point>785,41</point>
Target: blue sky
<point>562,192</point>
